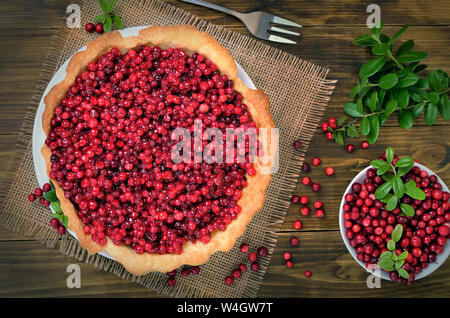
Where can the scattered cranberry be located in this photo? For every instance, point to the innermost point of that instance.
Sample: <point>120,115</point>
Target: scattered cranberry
<point>364,145</point>
<point>61,230</point>
<point>444,230</point>
<point>297,224</point>
<point>242,267</point>
<point>254,266</point>
<point>229,280</point>
<point>304,199</point>
<point>306,180</point>
<point>38,192</point>
<point>287,256</point>
<point>89,27</point>
<point>244,248</point>
<point>236,273</point>
<point>295,199</point>
<point>329,171</point>
<point>350,148</point>
<point>99,28</point>
<point>324,127</point>
<point>31,197</point>
<point>318,204</point>
<point>305,211</point>
<point>329,135</point>
<point>171,281</point>
<point>308,274</point>
<point>44,202</point>
<point>332,122</point>
<point>316,161</point>
<point>306,167</point>
<point>262,251</point>
<point>294,241</point>
<point>297,144</point>
<point>46,187</point>
<point>186,271</point>
<point>253,257</point>
<point>54,222</point>
<point>195,270</point>
<point>289,264</point>
<point>315,186</point>
<point>320,213</point>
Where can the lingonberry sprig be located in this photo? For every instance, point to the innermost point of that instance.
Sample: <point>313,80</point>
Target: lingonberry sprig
<point>108,19</point>
<point>390,84</point>
<point>389,260</point>
<point>391,169</point>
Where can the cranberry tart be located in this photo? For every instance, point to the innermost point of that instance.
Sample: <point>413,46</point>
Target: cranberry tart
<point>108,146</point>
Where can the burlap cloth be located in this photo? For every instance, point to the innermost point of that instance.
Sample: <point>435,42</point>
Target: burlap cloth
<point>298,92</point>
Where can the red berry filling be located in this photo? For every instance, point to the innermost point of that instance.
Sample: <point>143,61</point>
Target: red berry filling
<point>111,148</point>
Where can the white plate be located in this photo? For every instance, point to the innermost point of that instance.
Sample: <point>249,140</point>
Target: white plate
<point>440,259</point>
<point>39,135</point>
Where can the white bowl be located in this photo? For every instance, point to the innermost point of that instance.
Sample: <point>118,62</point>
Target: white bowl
<point>440,259</point>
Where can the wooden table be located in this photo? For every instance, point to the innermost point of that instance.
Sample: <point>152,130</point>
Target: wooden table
<point>29,269</point>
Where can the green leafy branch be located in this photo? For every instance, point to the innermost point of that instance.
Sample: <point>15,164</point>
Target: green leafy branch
<point>389,260</point>
<point>394,188</point>
<point>390,84</point>
<point>108,18</point>
<point>56,206</point>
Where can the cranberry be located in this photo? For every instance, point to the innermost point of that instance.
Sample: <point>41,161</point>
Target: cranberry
<point>295,199</point>
<point>364,145</point>
<point>254,266</point>
<point>320,213</point>
<point>297,144</point>
<point>244,248</point>
<point>46,187</point>
<point>324,127</point>
<point>306,180</point>
<point>38,192</point>
<point>287,256</point>
<point>99,28</point>
<point>195,270</point>
<point>262,251</point>
<point>61,229</point>
<point>289,264</point>
<point>304,199</point>
<point>294,241</point>
<point>186,271</point>
<point>242,267</point>
<point>315,186</point>
<point>89,27</point>
<point>253,257</point>
<point>308,274</point>
<point>316,161</point>
<point>318,204</point>
<point>305,211</point>
<point>171,281</point>
<point>297,224</point>
<point>229,280</point>
<point>329,135</point>
<point>329,171</point>
<point>444,230</point>
<point>44,202</point>
<point>54,222</point>
<point>31,197</point>
<point>350,148</point>
<point>236,273</point>
<point>306,167</point>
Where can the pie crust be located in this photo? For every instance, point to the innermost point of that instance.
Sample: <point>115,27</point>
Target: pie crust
<point>191,40</point>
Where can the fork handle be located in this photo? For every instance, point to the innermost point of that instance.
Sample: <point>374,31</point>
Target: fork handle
<point>215,7</point>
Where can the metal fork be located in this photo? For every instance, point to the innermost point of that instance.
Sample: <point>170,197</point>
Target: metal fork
<point>257,22</point>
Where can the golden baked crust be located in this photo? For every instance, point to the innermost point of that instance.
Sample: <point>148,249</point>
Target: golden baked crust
<point>191,40</point>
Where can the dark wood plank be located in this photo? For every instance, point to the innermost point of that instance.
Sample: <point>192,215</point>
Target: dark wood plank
<point>335,272</point>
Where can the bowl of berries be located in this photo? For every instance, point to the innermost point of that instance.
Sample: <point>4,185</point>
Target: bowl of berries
<point>395,219</point>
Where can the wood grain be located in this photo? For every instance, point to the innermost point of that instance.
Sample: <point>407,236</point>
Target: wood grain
<point>29,269</point>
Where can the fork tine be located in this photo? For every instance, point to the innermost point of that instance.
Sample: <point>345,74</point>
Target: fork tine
<point>276,38</point>
<point>276,29</point>
<point>283,21</point>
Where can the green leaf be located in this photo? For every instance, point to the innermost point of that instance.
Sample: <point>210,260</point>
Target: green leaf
<point>388,81</point>
<point>402,171</point>
<point>110,5</point>
<point>107,26</point>
<point>422,83</point>
<point>118,22</point>
<point>391,245</point>
<point>403,255</point>
<point>404,162</point>
<point>386,255</point>
<point>413,191</point>
<point>396,234</point>
<point>354,91</point>
<point>419,68</point>
<point>405,118</point>
<point>372,67</point>
<point>412,56</point>
<point>363,91</point>
<point>103,5</point>
<point>399,263</point>
<point>51,196</point>
<point>380,48</point>
<point>381,166</point>
<point>388,176</point>
<point>386,264</point>
<point>433,97</point>
<point>407,209</point>
<point>435,82</point>
<point>398,33</point>
<point>377,31</point>
<point>405,47</point>
<point>383,190</point>
<point>389,154</point>
<point>352,110</point>
<point>398,186</point>
<point>408,80</point>
<point>444,107</point>
<point>390,106</point>
<point>56,207</point>
<point>339,138</point>
<point>403,273</point>
<point>391,203</point>
<point>430,114</point>
<point>364,40</point>
<point>373,101</point>
<point>100,18</point>
<point>374,129</point>
<point>403,97</point>
<point>52,186</point>
<point>417,109</point>
<point>352,132</point>
<point>341,120</point>
<point>364,126</point>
